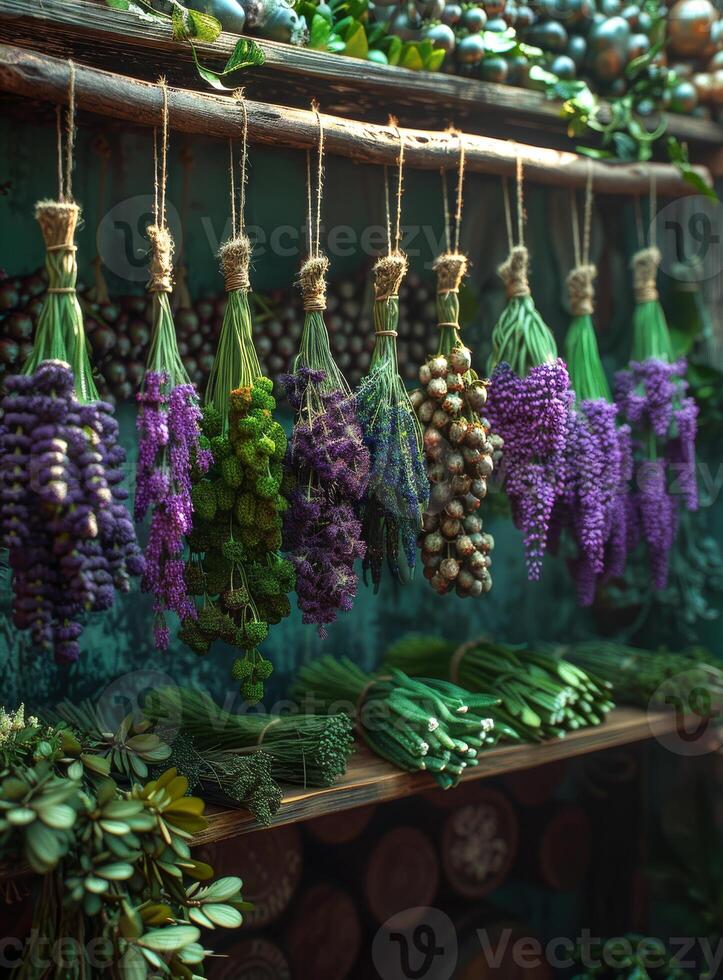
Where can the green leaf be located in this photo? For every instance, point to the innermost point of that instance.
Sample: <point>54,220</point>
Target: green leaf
<point>132,965</point>
<point>320,33</point>
<point>181,33</point>
<point>170,939</point>
<point>498,42</point>
<point>224,916</point>
<point>678,154</point>
<point>356,42</point>
<point>223,889</point>
<point>118,4</point>
<point>198,916</point>
<point>21,816</point>
<point>392,47</point>
<point>98,764</point>
<point>410,57</point>
<point>116,827</point>
<point>204,26</point>
<point>115,872</point>
<point>435,59</point>
<point>43,847</point>
<point>246,54</point>
<point>59,817</point>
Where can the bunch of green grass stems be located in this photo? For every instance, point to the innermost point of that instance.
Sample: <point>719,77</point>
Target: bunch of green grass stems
<point>582,354</point>
<point>540,695</point>
<point>163,354</point>
<point>520,338</point>
<point>651,337</point>
<point>451,268</point>
<point>643,677</point>
<point>314,347</point>
<point>307,749</point>
<point>236,363</point>
<point>60,332</point>
<point>418,725</point>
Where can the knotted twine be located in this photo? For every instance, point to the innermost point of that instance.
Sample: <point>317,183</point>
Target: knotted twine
<point>236,363</point>
<point>451,266</point>
<point>651,338</point>
<point>60,333</point>
<point>390,269</point>
<point>587,375</point>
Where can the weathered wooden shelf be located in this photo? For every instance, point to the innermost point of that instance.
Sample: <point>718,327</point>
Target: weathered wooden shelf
<point>109,95</point>
<point>97,35</point>
<point>371,780</point>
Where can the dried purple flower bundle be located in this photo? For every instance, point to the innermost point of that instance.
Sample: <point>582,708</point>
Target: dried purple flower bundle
<point>531,416</point>
<point>652,398</point>
<point>70,539</point>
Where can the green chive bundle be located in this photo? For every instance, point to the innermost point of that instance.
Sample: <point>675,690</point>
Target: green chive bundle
<point>540,695</point>
<point>417,725</point>
<point>308,749</point>
<point>644,677</point>
<point>587,375</point>
<point>651,337</point>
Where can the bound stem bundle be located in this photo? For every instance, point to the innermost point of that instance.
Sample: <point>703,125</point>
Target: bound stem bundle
<point>459,450</point>
<point>651,337</point>
<point>529,401</point>
<point>644,677</point>
<point>327,462</point>
<point>417,725</point>
<point>539,695</point>
<point>308,749</point>
<point>398,489</point>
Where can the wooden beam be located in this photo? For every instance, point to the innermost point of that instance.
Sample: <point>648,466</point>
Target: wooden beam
<point>94,34</point>
<point>33,75</point>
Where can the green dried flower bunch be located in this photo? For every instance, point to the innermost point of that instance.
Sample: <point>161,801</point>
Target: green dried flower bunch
<point>417,725</point>
<point>235,565</point>
<point>308,749</point>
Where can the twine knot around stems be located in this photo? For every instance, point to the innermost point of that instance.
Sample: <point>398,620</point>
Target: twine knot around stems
<point>235,259</point>
<point>581,291</point>
<point>161,262</point>
<point>450,268</point>
<point>312,280</point>
<point>389,271</point>
<point>58,221</point>
<point>645,270</point>
<point>514,272</point>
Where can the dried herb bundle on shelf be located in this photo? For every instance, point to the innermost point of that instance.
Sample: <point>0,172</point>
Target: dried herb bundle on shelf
<point>417,725</point>
<point>169,443</point>
<point>309,749</point>
<point>540,695</point>
<point>235,566</point>
<point>459,447</point>
<point>71,542</point>
<point>398,489</point>
<point>648,678</point>
<point>327,462</point>
<point>529,400</point>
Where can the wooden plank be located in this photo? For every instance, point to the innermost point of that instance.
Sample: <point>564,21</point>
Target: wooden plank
<point>108,38</point>
<point>34,75</point>
<point>370,779</point>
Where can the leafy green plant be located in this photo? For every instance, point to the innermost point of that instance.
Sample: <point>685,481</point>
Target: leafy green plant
<point>191,26</point>
<point>117,869</point>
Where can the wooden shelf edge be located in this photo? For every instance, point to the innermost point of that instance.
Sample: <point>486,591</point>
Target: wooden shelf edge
<point>371,780</point>
<point>106,37</point>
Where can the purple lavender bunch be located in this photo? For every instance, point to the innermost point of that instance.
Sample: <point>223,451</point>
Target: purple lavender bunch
<point>531,415</point>
<point>169,445</point>
<point>329,464</point>
<point>652,397</point>
<point>70,539</point>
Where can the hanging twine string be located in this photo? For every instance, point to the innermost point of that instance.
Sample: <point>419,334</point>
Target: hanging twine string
<point>161,261</point>
<point>646,260</point>
<point>451,267</point>
<point>390,269</point>
<point>580,288</point>
<point>59,219</point>
<point>235,254</point>
<point>102,148</point>
<point>514,271</point>
<point>312,277</point>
